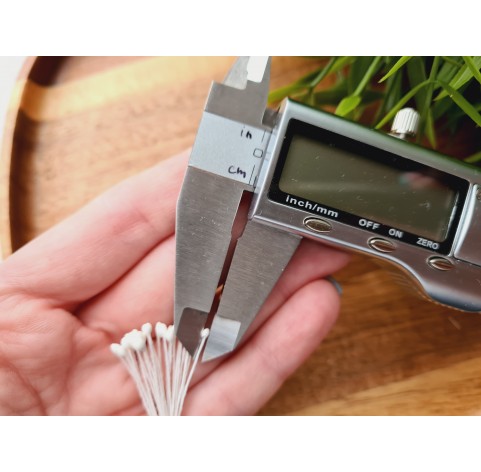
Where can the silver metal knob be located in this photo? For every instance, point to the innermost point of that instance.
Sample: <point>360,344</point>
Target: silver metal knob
<point>405,123</point>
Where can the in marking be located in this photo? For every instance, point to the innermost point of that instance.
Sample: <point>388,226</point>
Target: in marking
<point>247,135</point>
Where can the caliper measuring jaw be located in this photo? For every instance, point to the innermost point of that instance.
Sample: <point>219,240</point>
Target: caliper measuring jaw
<point>229,149</point>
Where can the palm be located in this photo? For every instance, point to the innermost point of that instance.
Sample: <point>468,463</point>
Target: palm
<point>65,370</point>
<point>66,296</point>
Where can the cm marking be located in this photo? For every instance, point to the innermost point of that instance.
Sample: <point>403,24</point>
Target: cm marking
<point>237,171</point>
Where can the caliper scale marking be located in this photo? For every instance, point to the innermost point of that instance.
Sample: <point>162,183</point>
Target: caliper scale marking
<point>243,148</point>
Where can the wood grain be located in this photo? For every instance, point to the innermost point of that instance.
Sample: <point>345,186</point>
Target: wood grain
<point>77,126</point>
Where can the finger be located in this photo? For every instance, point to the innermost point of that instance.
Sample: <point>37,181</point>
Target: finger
<point>86,253</point>
<point>145,293</point>
<point>244,383</point>
<point>312,261</point>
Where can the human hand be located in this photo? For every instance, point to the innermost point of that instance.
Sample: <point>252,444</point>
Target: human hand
<point>67,295</point>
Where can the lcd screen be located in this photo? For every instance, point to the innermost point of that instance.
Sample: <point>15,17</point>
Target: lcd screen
<point>399,193</point>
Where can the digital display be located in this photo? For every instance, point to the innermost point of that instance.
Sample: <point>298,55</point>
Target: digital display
<point>394,191</point>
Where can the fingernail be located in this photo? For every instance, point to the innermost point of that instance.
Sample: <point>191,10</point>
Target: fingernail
<point>336,284</point>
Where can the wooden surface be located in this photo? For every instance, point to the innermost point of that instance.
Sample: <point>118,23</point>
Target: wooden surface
<point>76,126</point>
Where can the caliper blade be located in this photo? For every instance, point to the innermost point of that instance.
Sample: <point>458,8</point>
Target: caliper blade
<point>237,76</point>
<point>225,161</point>
<point>261,255</point>
<point>206,211</point>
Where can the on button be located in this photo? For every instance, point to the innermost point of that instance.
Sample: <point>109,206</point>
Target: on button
<point>381,245</point>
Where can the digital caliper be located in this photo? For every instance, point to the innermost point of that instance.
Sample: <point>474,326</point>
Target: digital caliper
<point>313,175</point>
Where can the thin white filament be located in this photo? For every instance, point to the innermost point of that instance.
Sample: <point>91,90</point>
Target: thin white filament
<point>160,366</point>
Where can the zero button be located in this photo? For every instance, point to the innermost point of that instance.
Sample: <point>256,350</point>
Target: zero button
<point>440,263</point>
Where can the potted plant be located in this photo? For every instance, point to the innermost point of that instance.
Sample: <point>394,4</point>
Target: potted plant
<point>446,91</point>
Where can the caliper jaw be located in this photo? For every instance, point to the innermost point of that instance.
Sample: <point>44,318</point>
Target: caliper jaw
<point>261,256</point>
<point>206,211</point>
<point>243,95</point>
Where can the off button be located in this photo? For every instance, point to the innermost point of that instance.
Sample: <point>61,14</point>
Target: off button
<point>381,245</point>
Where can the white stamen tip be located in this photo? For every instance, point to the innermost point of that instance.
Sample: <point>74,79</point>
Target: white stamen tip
<point>135,340</point>
<point>160,329</point>
<point>162,370</point>
<point>118,350</point>
<point>169,335</point>
<point>147,329</point>
<point>124,342</point>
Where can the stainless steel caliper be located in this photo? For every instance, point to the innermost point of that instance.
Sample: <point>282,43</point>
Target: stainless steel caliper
<point>313,175</point>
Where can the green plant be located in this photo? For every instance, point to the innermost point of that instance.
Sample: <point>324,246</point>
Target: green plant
<point>446,91</point>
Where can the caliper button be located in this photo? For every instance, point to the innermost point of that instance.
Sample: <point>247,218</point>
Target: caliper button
<point>381,245</point>
<point>317,225</point>
<point>440,263</point>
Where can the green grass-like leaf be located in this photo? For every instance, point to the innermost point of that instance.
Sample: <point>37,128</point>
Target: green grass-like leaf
<point>473,67</point>
<point>445,90</point>
<point>426,124</point>
<point>474,158</point>
<point>464,75</point>
<point>356,72</point>
<point>392,95</point>
<point>430,130</point>
<point>400,63</point>
<point>300,84</point>
<point>389,116</point>
<point>449,68</point>
<point>351,102</point>
<point>333,66</point>
<point>462,103</point>
<point>372,69</point>
<point>348,104</point>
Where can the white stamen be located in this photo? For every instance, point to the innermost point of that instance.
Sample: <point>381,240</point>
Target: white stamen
<point>160,329</point>
<point>118,350</point>
<point>147,329</point>
<point>169,335</point>
<point>162,369</point>
<point>136,340</point>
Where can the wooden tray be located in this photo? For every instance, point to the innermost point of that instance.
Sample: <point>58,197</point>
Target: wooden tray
<point>77,125</point>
